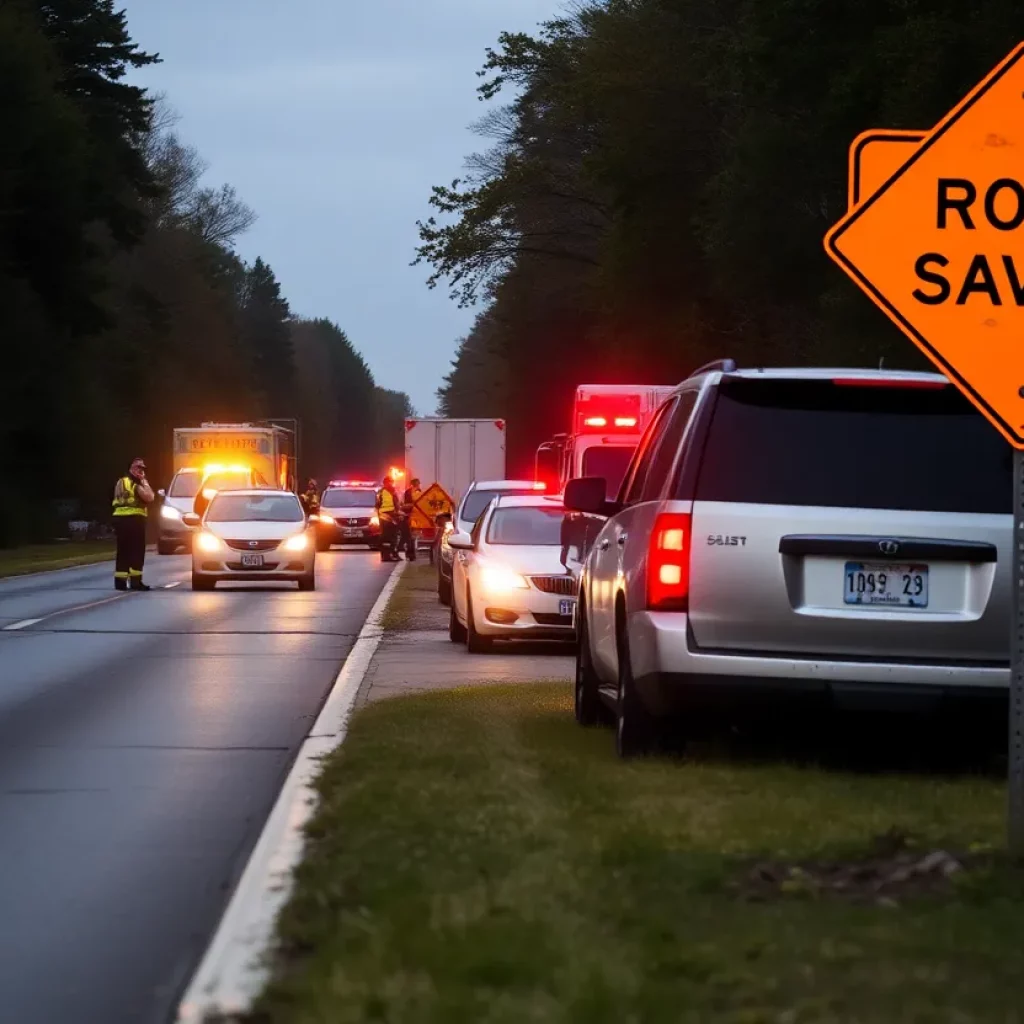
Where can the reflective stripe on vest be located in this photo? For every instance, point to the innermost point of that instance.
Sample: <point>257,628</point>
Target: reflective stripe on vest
<point>128,503</point>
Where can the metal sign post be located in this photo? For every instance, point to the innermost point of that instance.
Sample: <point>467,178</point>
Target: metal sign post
<point>1015,810</point>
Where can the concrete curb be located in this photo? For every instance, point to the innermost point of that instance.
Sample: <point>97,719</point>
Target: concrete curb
<point>236,964</point>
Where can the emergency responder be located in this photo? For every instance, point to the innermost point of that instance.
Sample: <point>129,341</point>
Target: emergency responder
<point>409,499</point>
<point>310,499</point>
<point>388,514</point>
<point>132,495</point>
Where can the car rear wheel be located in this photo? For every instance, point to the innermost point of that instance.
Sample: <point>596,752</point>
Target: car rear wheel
<point>634,727</point>
<point>202,583</point>
<point>308,582</point>
<point>475,643</point>
<point>456,630</point>
<point>323,544</point>
<point>166,547</point>
<point>589,708</point>
<point>444,589</point>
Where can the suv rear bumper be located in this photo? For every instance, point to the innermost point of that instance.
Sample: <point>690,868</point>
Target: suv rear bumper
<point>671,674</point>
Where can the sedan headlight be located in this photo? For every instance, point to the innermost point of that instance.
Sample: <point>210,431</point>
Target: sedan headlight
<point>206,541</point>
<point>499,579</point>
<point>375,520</point>
<point>170,512</point>
<point>297,543</point>
<point>325,518</point>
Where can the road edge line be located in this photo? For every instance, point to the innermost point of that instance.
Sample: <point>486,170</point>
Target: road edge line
<point>235,966</point>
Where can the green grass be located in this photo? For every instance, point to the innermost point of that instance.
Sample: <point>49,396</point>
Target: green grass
<point>418,579</point>
<point>477,857</point>
<point>40,557</point>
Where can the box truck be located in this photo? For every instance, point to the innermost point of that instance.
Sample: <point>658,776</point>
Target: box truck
<point>452,454</point>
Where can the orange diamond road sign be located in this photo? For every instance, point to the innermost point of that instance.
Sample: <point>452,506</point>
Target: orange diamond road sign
<point>434,501</point>
<point>939,247</point>
<point>875,156</point>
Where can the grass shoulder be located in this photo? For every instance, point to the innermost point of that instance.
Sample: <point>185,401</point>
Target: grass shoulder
<point>43,557</point>
<point>476,856</point>
<point>418,579</point>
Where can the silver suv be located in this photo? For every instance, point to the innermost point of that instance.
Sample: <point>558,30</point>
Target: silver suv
<point>837,534</point>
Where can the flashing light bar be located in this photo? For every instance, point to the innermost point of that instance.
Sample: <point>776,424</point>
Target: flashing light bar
<point>352,483</point>
<point>625,421</point>
<point>595,421</point>
<point>216,467</point>
<point>539,485</point>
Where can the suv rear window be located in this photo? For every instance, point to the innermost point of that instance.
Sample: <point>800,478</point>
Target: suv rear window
<point>803,442</point>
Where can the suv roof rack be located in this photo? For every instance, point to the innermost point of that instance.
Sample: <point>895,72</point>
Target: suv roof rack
<point>725,365</point>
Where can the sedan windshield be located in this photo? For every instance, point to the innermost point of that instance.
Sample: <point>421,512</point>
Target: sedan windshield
<point>184,485</point>
<point>477,501</point>
<point>528,525</point>
<point>348,497</point>
<point>254,508</point>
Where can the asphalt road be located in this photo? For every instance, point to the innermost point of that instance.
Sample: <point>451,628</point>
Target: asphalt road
<point>143,740</point>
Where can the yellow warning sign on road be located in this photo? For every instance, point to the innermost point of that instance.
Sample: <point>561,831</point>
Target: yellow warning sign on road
<point>434,501</point>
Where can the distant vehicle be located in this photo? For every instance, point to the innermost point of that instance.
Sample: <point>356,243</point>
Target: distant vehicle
<point>255,535</point>
<point>263,451</point>
<point>348,515</point>
<point>838,535</point>
<point>478,496</point>
<point>267,448</point>
<point>607,422</point>
<point>453,453</point>
<point>507,581</point>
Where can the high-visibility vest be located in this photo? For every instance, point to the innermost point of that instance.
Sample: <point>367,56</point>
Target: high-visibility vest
<point>385,502</point>
<point>126,501</point>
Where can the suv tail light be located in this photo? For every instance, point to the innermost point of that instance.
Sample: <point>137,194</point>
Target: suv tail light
<point>668,563</point>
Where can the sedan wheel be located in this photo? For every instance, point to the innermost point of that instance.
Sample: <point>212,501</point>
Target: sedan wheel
<point>588,707</point>
<point>456,630</point>
<point>475,643</point>
<point>634,727</point>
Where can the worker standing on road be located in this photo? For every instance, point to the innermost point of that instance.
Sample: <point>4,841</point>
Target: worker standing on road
<point>310,499</point>
<point>387,513</point>
<point>132,496</point>
<point>409,499</point>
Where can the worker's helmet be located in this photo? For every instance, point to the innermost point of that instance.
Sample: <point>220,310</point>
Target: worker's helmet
<point>388,480</point>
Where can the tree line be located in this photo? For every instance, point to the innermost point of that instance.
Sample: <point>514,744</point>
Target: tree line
<point>656,189</point>
<point>127,309</point>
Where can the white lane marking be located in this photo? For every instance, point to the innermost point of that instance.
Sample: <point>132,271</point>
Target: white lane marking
<point>234,968</point>
<point>21,625</point>
<point>171,586</point>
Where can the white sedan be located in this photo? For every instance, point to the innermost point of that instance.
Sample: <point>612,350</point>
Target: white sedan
<point>257,535</point>
<point>508,581</point>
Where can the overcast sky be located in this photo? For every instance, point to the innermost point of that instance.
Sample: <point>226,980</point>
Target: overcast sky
<point>333,118</point>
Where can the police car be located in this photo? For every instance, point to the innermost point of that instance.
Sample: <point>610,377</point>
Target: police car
<point>348,514</point>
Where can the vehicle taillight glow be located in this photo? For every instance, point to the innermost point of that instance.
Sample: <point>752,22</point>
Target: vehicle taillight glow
<point>668,563</point>
<point>889,382</point>
<point>539,485</point>
<point>595,421</point>
<point>625,421</point>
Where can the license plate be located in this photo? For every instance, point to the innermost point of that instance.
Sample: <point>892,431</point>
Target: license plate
<point>886,585</point>
<point>252,561</point>
<point>566,607</point>
<point>353,532</point>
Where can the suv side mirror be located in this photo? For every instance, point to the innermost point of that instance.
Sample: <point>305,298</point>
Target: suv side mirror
<point>587,494</point>
<point>460,542</point>
<point>161,493</point>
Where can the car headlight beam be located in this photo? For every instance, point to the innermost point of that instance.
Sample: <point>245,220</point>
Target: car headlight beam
<point>170,512</point>
<point>297,543</point>
<point>499,579</point>
<point>206,541</point>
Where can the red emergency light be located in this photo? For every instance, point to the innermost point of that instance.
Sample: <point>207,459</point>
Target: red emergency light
<point>352,483</point>
<point>618,413</point>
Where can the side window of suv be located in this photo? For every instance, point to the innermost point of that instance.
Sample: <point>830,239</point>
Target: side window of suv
<point>645,452</point>
<point>668,446</point>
